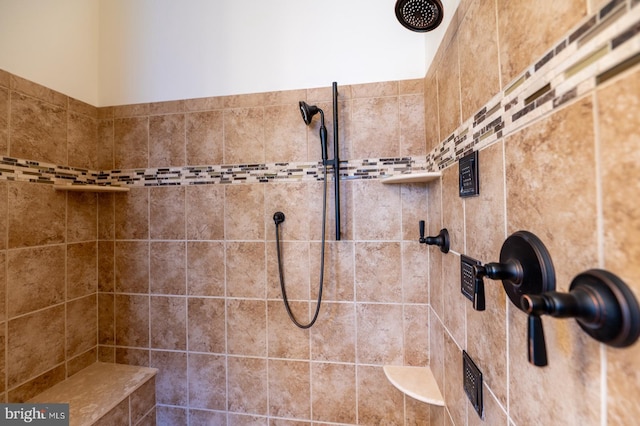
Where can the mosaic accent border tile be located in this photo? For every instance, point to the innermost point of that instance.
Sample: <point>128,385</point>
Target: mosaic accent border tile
<point>594,52</point>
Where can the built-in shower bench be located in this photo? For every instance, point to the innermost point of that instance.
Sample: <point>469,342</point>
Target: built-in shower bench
<point>107,394</point>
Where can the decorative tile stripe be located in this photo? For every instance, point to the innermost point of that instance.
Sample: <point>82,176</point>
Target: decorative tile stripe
<point>591,54</point>
<point>594,52</point>
<point>14,169</point>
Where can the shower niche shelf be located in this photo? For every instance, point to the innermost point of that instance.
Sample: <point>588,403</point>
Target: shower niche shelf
<point>90,188</point>
<point>421,177</point>
<point>416,382</point>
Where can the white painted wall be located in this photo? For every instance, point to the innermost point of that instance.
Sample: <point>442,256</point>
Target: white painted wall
<point>113,52</point>
<point>52,42</point>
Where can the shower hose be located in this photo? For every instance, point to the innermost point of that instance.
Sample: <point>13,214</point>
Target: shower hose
<point>278,218</point>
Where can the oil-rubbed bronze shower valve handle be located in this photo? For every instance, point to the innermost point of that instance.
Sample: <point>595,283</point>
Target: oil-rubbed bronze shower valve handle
<point>441,240</point>
<point>602,304</point>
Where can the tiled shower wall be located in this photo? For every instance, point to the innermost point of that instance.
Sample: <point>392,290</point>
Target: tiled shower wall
<point>48,242</point>
<point>562,163</point>
<point>188,273</point>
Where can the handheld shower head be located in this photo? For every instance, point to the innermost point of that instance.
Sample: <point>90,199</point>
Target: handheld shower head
<point>308,111</point>
<point>419,15</point>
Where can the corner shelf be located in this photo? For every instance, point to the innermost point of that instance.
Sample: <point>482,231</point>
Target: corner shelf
<point>421,177</point>
<point>417,382</point>
<point>89,188</point>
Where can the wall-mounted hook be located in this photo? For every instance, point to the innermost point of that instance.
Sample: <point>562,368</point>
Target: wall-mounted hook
<point>525,268</point>
<point>602,304</point>
<point>441,240</point>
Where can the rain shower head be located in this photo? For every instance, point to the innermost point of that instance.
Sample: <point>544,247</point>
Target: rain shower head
<point>308,111</point>
<point>419,15</point>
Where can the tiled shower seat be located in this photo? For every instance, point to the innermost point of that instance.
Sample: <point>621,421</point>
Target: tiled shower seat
<point>107,394</point>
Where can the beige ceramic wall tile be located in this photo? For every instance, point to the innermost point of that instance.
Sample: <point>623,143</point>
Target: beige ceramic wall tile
<point>171,381</point>
<point>82,261</point>
<point>244,212</point>
<point>82,361</point>
<point>35,344</point>
<point>415,273</point>
<point>415,205</point>
<point>38,91</point>
<point>375,203</point>
<point>201,417</point>
<point>168,267</point>
<point>520,43</point>
<point>171,415</point>
<point>379,333</point>
<point>130,356</point>
<point>132,267</point>
<point>35,279</point>
<point>289,389</point>
<point>564,217</point>
<point>205,212</point>
<point>452,209</point>
<point>205,268</point>
<point>4,121</point>
<point>377,137</point>
<point>131,142</point>
<point>378,272</point>
<point>378,401</point>
<point>204,137</point>
<point>479,66</point>
<point>284,339</point>
<point>416,335</point>
<point>168,323</point>
<point>167,213</point>
<point>142,400</point>
<point>167,140</point>
<point>298,278</point>
<point>3,288</point>
<point>449,91</point>
<point>131,216</point>
<point>333,392</point>
<point>285,135</point>
<point>411,124</point>
<point>132,320</point>
<point>333,337</point>
<point>246,327</point>
<point>245,270</point>
<point>454,302</point>
<point>106,319</point>
<point>38,130</point>
<point>454,396</point>
<point>4,214</point>
<point>301,203</point>
<point>105,147</point>
<point>559,205</point>
<point>106,266</point>
<point>247,391</point>
<point>37,385</point>
<point>82,214</point>
<point>82,134</point>
<point>431,114</point>
<point>36,216</point>
<point>82,325</point>
<point>618,105</point>
<point>339,271</point>
<point>244,135</point>
<point>207,381</point>
<point>106,216</point>
<point>206,320</point>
